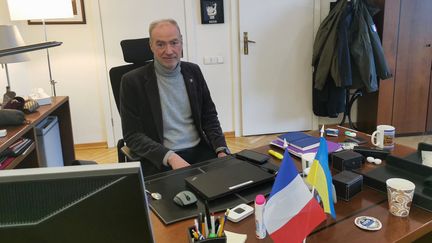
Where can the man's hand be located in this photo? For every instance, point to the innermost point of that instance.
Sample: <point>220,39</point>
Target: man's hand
<point>221,154</point>
<point>176,162</point>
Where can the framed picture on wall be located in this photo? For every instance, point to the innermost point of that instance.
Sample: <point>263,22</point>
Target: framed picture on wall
<point>212,12</point>
<point>78,18</point>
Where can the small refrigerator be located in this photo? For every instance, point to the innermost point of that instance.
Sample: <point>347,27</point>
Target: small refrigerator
<point>49,143</point>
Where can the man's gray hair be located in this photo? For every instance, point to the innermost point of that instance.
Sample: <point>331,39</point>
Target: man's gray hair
<point>157,22</point>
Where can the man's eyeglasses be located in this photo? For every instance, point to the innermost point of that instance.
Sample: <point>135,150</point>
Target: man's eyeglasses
<point>160,45</point>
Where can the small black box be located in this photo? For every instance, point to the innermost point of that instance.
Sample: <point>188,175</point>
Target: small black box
<point>347,184</point>
<point>347,160</point>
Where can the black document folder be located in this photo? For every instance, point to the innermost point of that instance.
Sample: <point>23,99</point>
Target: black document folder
<point>236,176</point>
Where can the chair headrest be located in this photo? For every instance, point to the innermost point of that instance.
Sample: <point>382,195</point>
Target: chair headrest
<point>136,51</point>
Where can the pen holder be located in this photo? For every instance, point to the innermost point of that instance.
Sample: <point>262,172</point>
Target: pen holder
<point>221,239</point>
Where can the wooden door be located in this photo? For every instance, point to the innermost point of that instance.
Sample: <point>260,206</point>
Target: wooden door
<point>413,67</point>
<point>276,86</point>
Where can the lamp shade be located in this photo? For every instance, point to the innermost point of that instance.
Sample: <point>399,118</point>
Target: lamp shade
<point>39,9</point>
<point>10,37</point>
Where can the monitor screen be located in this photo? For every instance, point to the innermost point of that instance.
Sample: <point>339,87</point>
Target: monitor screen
<point>88,203</point>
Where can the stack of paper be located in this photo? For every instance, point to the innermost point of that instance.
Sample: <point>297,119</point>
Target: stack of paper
<point>235,237</point>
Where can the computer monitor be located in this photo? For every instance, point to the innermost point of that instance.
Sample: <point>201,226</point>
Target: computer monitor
<point>76,204</point>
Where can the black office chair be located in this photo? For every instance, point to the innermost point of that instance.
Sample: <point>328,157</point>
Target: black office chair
<point>138,53</point>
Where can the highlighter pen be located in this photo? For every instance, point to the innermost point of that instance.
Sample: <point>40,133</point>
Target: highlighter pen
<point>224,219</point>
<point>221,226</point>
<point>203,225</point>
<point>275,154</point>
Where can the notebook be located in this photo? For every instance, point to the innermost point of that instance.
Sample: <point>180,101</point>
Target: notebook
<point>332,147</point>
<point>305,143</point>
<point>292,136</point>
<point>300,140</point>
<point>226,180</point>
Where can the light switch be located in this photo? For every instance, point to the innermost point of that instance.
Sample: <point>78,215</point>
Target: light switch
<point>211,60</point>
<point>207,60</point>
<point>214,60</point>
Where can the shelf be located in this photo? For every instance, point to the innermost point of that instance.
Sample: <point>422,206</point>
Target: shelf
<point>27,48</point>
<point>21,157</point>
<point>59,107</point>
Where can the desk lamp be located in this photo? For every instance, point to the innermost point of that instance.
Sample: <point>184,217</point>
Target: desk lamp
<point>10,37</point>
<point>43,10</point>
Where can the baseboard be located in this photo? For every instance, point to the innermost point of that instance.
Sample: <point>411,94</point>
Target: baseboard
<point>98,145</point>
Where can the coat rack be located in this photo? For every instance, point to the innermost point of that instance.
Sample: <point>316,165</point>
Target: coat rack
<point>349,101</point>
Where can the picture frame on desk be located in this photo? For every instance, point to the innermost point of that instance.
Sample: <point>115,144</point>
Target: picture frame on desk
<point>78,12</point>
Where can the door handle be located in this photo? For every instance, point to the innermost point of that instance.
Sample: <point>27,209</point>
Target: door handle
<point>246,42</point>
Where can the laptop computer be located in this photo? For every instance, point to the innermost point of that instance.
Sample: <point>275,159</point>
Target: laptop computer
<point>226,180</point>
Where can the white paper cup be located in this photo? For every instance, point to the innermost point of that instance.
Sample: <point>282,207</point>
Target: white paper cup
<point>307,160</point>
<point>400,193</point>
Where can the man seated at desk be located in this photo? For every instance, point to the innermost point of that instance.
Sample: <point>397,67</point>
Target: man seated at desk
<point>168,116</point>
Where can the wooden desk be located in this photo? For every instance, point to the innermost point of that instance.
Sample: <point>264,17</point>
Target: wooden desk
<point>369,202</point>
<point>60,108</point>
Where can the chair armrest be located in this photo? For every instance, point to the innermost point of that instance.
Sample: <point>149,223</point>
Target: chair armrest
<point>129,154</point>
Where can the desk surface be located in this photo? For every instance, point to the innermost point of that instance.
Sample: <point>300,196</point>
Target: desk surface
<point>369,202</point>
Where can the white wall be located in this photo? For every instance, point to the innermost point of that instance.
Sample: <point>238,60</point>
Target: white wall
<point>74,65</point>
<point>79,66</point>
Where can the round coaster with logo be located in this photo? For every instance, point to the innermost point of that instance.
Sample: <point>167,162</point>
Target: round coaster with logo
<point>368,223</point>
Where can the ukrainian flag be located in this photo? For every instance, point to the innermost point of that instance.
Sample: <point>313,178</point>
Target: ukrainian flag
<point>320,177</point>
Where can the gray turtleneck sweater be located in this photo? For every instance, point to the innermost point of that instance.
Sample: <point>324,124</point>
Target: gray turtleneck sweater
<point>179,131</point>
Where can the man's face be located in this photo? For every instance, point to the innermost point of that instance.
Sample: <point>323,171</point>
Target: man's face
<point>166,45</point>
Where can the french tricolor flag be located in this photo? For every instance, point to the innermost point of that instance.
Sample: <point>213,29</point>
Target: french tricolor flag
<point>291,212</point>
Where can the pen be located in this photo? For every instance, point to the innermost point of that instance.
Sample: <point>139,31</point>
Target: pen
<point>221,230</point>
<point>196,225</point>
<point>200,235</point>
<point>200,220</point>
<point>195,234</point>
<point>212,219</point>
<point>207,213</point>
<point>206,227</point>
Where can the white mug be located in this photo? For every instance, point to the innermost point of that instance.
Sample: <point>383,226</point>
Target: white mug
<point>383,137</point>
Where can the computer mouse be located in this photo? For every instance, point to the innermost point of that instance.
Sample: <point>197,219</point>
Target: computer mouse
<point>185,198</point>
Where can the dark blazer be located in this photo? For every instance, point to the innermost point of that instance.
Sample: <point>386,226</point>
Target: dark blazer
<point>141,112</point>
